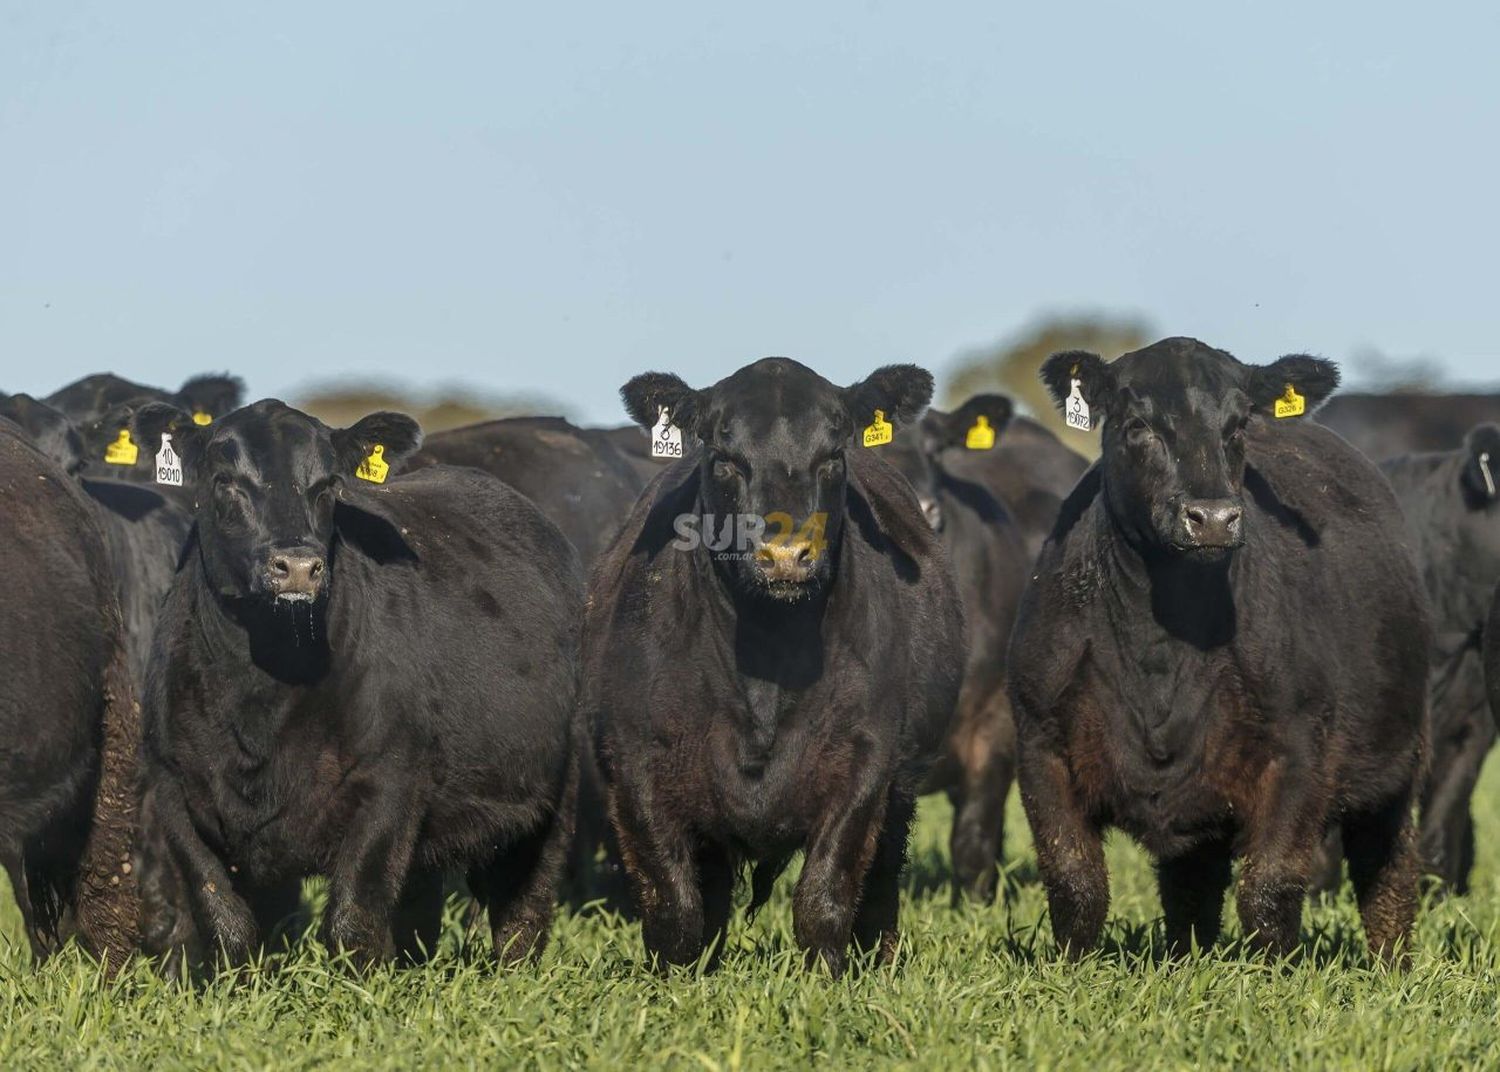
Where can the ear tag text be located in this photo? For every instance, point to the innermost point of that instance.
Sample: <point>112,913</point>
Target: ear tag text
<point>202,419</point>
<point>1290,404</point>
<point>666,437</point>
<point>168,464</point>
<point>981,436</point>
<point>375,467</point>
<point>1076,410</point>
<point>879,431</point>
<point>122,451</point>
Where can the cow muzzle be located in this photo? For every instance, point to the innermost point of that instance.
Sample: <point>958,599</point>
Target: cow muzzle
<point>786,563</point>
<point>297,575</point>
<point>1210,524</point>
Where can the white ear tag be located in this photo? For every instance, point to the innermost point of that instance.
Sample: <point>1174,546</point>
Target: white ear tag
<point>1076,410</point>
<point>168,464</point>
<point>666,438</point>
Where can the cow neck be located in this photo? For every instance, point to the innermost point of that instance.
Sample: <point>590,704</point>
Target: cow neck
<point>1192,602</point>
<point>289,644</point>
<point>773,642</point>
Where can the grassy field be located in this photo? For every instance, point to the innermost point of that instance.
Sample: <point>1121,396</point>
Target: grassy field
<point>977,989</point>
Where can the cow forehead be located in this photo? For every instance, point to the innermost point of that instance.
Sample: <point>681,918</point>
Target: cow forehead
<point>1181,377</point>
<point>275,442</point>
<point>777,404</point>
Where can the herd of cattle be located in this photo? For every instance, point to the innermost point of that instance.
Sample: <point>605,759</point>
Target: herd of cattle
<point>522,658</point>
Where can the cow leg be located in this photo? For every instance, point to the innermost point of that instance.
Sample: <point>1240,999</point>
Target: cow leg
<point>193,893</point>
<point>1192,895</point>
<point>876,923</point>
<point>521,882</point>
<point>1446,820</point>
<point>1283,835</point>
<point>1466,859</point>
<point>169,931</point>
<point>1327,872</point>
<point>418,918</point>
<point>659,863</point>
<point>520,885</point>
<point>1383,869</point>
<point>368,876</point>
<point>1069,851</point>
<point>15,868</point>
<point>839,856</point>
<point>987,760</point>
<point>716,874</point>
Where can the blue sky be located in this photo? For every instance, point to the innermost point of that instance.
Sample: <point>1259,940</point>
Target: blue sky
<point>549,198</point>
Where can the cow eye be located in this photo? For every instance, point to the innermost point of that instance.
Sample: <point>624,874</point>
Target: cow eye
<point>1137,431</point>
<point>832,466</point>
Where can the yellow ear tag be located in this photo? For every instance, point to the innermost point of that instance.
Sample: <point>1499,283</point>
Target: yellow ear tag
<point>374,467</point>
<point>879,431</point>
<point>981,436</point>
<point>1290,404</point>
<point>200,418</point>
<point>122,451</point>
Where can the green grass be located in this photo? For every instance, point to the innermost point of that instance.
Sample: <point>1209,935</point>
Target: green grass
<point>977,989</point>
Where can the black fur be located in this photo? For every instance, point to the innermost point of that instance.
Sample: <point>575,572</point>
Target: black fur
<point>745,706</point>
<point>402,712</point>
<point>1389,425</point>
<point>1029,469</point>
<point>1453,517</point>
<point>100,406</point>
<point>1232,695</point>
<point>66,713</point>
<point>990,562</point>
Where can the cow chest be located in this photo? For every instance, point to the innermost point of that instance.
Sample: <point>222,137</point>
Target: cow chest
<point>1164,744</point>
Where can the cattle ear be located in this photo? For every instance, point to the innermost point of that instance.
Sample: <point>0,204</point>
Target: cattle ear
<point>1296,376</point>
<point>1096,380</point>
<point>901,392</point>
<point>152,420</point>
<point>646,395</point>
<point>396,434</point>
<point>53,433</point>
<point>976,424</point>
<point>1482,470</point>
<point>211,396</point>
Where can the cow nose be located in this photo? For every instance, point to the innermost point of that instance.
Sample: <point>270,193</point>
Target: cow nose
<point>296,575</point>
<point>788,561</point>
<point>1212,522</point>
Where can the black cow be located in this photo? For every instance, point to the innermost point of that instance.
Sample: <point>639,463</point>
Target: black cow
<point>634,445</point>
<point>102,408</point>
<point>1492,656</point>
<point>373,683</point>
<point>990,564</point>
<point>773,649</point>
<point>51,432</point>
<point>90,398</point>
<point>1450,500</point>
<point>67,718</point>
<point>1028,469</point>
<point>145,528</point>
<point>574,474</point>
<point>587,486</point>
<point>1223,652</point>
<point>1389,425</point>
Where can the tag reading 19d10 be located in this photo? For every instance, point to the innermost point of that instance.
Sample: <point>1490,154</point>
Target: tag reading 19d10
<point>168,464</point>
